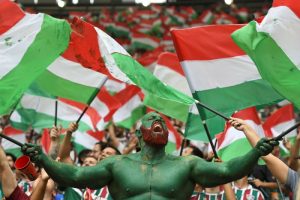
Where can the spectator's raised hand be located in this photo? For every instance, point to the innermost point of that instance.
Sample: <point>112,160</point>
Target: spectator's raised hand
<point>72,127</point>
<point>266,146</point>
<point>55,132</point>
<point>239,124</point>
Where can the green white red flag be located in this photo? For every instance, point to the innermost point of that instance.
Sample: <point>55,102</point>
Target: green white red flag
<point>29,43</point>
<point>220,74</point>
<point>116,62</point>
<point>131,109</point>
<point>16,134</point>
<point>279,121</point>
<point>232,143</point>
<point>274,46</point>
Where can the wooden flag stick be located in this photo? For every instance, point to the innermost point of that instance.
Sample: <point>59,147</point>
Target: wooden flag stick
<point>92,97</point>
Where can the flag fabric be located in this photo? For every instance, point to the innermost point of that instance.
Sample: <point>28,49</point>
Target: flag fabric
<point>119,64</point>
<point>79,68</point>
<point>169,71</point>
<point>141,41</point>
<point>232,143</point>
<point>131,109</point>
<point>219,73</point>
<point>174,139</point>
<point>39,112</point>
<point>86,139</point>
<point>274,53</point>
<point>279,121</point>
<point>16,134</point>
<point>149,58</point>
<point>29,43</point>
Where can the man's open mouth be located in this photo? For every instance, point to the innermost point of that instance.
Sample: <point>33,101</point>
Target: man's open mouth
<point>157,128</point>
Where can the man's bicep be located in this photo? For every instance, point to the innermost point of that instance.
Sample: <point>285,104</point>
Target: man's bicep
<point>95,177</point>
<point>208,174</point>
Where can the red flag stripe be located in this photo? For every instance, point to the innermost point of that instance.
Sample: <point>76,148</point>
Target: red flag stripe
<point>10,14</point>
<point>171,61</point>
<point>221,40</point>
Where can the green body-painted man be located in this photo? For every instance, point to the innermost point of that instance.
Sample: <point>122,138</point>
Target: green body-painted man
<point>150,173</point>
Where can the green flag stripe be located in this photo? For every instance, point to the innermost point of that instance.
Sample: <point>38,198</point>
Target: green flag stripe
<point>49,43</point>
<point>67,87</point>
<point>274,66</point>
<point>221,97</point>
<point>135,116</point>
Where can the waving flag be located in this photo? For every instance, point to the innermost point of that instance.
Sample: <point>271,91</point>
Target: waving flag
<point>29,43</point>
<point>232,143</point>
<point>279,121</point>
<point>274,46</point>
<point>219,73</point>
<point>131,109</point>
<point>116,62</point>
<point>39,112</point>
<point>169,71</point>
<point>16,134</point>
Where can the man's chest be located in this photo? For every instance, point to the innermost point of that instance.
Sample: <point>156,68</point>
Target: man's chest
<point>138,177</point>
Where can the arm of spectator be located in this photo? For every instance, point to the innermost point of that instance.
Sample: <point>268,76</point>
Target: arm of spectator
<point>270,185</point>
<point>7,177</point>
<point>54,144</point>
<point>131,145</point>
<point>40,191</point>
<point>112,135</point>
<point>66,146</point>
<point>293,161</point>
<point>278,168</point>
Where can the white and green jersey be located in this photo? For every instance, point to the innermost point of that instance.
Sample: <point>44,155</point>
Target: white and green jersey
<point>248,193</point>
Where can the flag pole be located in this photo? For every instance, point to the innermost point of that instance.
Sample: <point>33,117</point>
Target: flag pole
<point>211,110</point>
<point>182,146</point>
<point>92,97</point>
<point>55,113</point>
<point>11,140</point>
<point>284,133</point>
<point>200,108</point>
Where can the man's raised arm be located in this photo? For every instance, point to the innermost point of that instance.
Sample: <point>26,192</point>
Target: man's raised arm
<point>68,175</point>
<point>212,174</point>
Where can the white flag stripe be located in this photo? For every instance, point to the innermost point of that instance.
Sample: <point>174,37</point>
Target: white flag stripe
<point>233,135</point>
<point>123,113</point>
<point>10,41</point>
<point>84,139</point>
<point>279,128</point>
<point>226,72</point>
<point>281,20</point>
<point>107,45</point>
<point>9,145</point>
<point>76,73</point>
<point>172,78</point>
<point>64,112</point>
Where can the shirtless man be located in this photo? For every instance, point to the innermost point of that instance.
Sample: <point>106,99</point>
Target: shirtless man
<point>151,173</point>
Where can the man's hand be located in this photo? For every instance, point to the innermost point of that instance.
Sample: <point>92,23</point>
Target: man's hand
<point>72,127</point>
<point>266,146</point>
<point>33,151</point>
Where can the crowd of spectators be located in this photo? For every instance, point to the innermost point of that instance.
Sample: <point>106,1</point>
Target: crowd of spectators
<point>260,184</point>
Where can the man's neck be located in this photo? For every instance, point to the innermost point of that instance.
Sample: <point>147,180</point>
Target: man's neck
<point>152,155</point>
